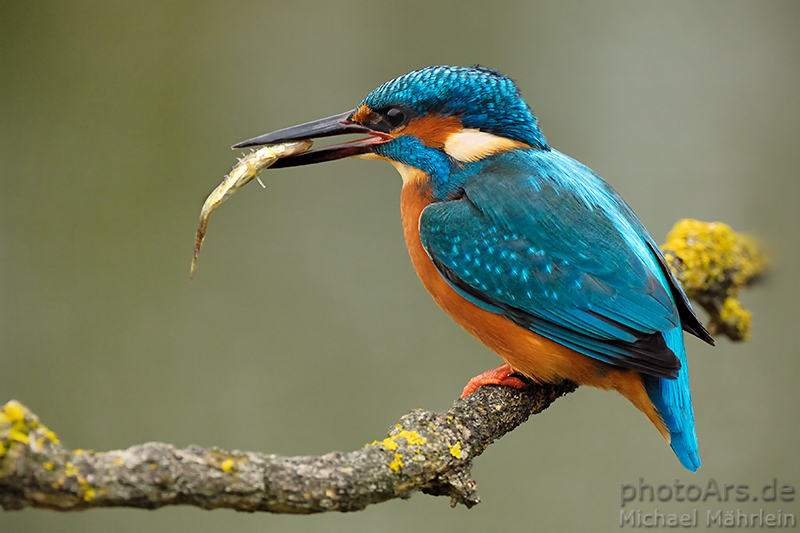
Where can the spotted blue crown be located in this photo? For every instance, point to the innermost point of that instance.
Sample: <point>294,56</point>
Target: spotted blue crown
<point>482,98</point>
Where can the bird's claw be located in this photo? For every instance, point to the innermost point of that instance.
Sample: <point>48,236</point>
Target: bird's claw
<point>502,375</point>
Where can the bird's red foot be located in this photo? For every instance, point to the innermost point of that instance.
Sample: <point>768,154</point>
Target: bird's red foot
<point>502,375</point>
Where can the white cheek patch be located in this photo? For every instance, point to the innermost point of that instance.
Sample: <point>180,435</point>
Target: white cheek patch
<point>410,174</point>
<point>407,172</point>
<point>469,145</point>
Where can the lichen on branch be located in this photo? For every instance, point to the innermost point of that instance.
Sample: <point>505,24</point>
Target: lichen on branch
<point>425,451</point>
<point>713,264</point>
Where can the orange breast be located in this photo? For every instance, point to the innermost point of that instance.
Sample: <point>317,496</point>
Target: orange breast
<point>525,351</point>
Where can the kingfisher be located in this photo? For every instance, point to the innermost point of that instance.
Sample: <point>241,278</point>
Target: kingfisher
<point>524,247</point>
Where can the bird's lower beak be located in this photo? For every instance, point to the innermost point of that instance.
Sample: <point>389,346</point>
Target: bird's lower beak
<point>326,127</point>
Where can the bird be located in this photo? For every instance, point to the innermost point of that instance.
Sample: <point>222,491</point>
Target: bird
<point>524,247</point>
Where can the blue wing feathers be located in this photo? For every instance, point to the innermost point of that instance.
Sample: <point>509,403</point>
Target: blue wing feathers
<point>505,243</point>
<point>578,320</point>
<point>541,239</point>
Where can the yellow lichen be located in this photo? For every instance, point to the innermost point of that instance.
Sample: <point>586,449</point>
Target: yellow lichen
<point>397,463</point>
<point>17,435</point>
<point>18,424</point>
<point>704,249</point>
<point>50,435</point>
<point>88,493</point>
<point>455,450</point>
<point>71,470</point>
<point>48,466</point>
<point>733,314</point>
<point>14,410</point>
<point>227,465</point>
<point>713,264</point>
<point>711,252</point>
<point>412,439</point>
<point>118,461</point>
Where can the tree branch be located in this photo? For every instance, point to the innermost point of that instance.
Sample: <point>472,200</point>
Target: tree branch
<point>425,451</point>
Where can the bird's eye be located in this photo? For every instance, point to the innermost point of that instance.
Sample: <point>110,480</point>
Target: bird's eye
<point>395,117</point>
<point>387,119</point>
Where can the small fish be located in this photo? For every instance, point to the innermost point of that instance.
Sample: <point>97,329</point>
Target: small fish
<point>248,168</point>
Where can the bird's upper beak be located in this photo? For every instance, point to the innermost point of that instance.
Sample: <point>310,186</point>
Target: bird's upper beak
<point>326,127</point>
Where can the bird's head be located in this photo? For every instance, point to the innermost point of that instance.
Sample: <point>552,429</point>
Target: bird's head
<point>441,120</point>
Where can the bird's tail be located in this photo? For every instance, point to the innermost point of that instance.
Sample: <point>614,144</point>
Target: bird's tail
<point>672,399</point>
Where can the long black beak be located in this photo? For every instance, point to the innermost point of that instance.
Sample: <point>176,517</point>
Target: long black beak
<point>326,127</point>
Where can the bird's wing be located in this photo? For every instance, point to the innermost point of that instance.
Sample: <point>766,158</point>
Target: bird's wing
<point>526,246</point>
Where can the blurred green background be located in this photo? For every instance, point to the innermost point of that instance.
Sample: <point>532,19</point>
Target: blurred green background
<point>305,329</point>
